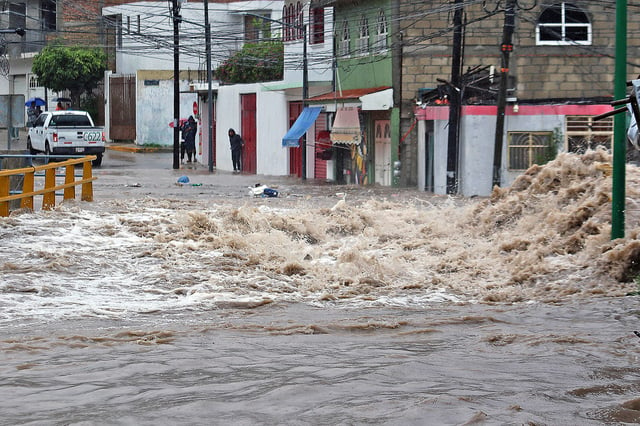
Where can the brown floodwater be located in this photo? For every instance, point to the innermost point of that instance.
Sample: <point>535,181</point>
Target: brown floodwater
<point>166,304</point>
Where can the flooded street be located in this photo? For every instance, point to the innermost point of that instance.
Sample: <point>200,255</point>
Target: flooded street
<point>161,303</point>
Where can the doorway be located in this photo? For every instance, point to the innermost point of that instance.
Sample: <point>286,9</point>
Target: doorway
<point>248,133</point>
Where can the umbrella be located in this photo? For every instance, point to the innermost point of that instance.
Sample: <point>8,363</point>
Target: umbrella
<point>182,121</point>
<point>62,100</point>
<point>38,101</point>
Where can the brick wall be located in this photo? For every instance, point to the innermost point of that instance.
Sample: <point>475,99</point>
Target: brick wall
<point>542,72</point>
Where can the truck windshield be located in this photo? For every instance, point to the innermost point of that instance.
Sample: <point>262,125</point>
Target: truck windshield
<point>70,121</point>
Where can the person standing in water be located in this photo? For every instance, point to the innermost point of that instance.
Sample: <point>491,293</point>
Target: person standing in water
<point>237,144</point>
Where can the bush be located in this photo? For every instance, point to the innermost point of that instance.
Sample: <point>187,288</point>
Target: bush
<point>256,62</point>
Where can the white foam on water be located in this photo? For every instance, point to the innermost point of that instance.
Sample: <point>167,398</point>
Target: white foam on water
<point>545,239</point>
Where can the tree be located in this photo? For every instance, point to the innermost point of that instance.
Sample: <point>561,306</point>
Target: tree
<point>77,69</point>
<point>263,61</point>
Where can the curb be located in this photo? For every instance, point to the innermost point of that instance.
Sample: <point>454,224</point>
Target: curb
<point>130,148</point>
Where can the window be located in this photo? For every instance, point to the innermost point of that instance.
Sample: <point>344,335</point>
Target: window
<point>119,31</point>
<point>290,23</point>
<point>317,25</point>
<point>285,19</point>
<point>293,20</point>
<point>563,24</point>
<point>48,18</point>
<point>382,31</point>
<point>583,133</point>
<point>363,36</point>
<point>345,39</point>
<point>33,81</point>
<point>529,148</point>
<point>256,29</point>
<point>299,21</point>
<point>17,15</point>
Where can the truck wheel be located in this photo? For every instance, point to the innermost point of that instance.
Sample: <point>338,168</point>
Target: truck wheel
<point>30,148</point>
<point>98,161</point>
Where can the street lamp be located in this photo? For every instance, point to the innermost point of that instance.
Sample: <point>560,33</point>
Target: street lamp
<point>305,79</point>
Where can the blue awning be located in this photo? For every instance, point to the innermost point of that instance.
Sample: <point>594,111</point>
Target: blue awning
<point>299,128</point>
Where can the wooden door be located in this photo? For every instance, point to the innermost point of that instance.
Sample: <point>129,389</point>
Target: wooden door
<point>122,96</point>
<point>248,133</point>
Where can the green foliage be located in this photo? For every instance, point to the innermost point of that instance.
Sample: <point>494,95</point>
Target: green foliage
<point>90,104</point>
<point>550,151</point>
<point>77,69</point>
<point>263,61</point>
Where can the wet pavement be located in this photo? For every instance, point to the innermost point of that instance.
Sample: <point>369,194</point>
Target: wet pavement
<point>132,171</point>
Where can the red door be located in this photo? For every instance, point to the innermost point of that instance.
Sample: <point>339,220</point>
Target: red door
<point>295,154</point>
<point>323,147</point>
<point>248,133</point>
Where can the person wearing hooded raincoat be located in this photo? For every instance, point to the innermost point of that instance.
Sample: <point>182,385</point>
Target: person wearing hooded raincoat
<point>189,130</point>
<point>236,143</point>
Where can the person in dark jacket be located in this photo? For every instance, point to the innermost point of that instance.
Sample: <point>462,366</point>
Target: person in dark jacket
<point>237,144</point>
<point>189,130</point>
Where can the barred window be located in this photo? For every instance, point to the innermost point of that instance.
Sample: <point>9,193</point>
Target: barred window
<point>317,25</point>
<point>529,148</point>
<point>582,132</point>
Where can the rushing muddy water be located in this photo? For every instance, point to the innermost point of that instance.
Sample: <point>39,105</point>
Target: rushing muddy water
<point>159,304</point>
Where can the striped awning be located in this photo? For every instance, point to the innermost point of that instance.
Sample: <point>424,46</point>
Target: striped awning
<point>346,126</point>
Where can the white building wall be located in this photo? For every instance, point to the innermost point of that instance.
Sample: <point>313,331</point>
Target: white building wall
<point>320,56</point>
<point>477,138</point>
<point>271,126</point>
<point>150,46</point>
<point>153,116</point>
<point>440,137</point>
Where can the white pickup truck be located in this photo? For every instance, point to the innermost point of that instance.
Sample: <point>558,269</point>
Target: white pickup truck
<point>65,133</point>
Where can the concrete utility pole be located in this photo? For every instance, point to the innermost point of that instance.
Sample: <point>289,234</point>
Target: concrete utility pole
<point>207,34</point>
<point>175,13</point>
<point>506,48</point>
<point>455,102</point>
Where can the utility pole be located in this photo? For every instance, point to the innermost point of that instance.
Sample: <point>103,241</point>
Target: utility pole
<point>175,12</point>
<point>305,96</point>
<point>506,48</point>
<point>455,101</point>
<point>619,125</point>
<point>207,34</point>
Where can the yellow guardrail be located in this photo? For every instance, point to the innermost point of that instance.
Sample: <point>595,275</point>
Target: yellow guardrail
<point>50,185</point>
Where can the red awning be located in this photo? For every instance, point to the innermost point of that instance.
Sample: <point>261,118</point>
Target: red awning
<point>347,94</point>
